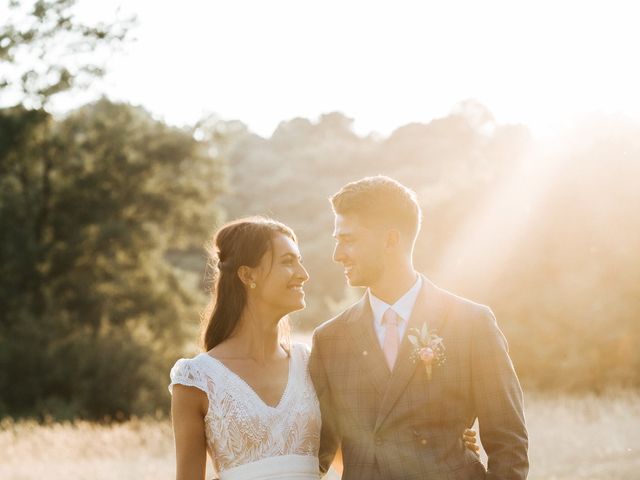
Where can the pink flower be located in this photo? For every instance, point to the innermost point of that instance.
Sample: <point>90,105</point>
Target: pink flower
<point>427,355</point>
<point>428,347</point>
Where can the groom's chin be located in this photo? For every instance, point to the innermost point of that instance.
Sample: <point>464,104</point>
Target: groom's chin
<point>354,282</point>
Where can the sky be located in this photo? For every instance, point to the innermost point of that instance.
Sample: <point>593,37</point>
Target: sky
<point>382,63</point>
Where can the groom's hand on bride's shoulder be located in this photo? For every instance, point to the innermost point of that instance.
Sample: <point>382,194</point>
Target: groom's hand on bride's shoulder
<point>469,437</point>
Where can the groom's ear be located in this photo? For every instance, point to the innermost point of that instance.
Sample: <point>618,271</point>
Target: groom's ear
<point>392,238</point>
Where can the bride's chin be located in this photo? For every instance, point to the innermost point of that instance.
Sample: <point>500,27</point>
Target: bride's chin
<point>300,306</point>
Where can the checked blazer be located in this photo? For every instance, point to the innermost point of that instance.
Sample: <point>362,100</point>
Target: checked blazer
<point>401,425</point>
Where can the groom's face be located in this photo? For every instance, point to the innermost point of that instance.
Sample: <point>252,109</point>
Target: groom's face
<point>360,249</point>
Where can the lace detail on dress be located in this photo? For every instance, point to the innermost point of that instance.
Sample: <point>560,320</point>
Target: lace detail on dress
<point>241,428</point>
<point>186,372</point>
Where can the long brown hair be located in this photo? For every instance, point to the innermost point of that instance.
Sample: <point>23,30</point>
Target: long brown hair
<point>240,242</point>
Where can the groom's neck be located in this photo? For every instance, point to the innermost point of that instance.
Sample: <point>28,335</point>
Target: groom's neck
<point>394,283</point>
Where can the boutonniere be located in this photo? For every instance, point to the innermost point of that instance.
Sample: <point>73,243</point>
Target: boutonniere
<point>428,347</point>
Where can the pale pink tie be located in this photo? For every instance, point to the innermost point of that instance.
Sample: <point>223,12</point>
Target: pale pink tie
<point>391,340</point>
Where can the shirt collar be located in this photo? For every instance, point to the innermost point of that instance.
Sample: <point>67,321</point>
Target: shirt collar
<point>402,307</point>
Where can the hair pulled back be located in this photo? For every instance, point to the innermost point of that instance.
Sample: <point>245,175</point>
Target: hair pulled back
<point>242,242</point>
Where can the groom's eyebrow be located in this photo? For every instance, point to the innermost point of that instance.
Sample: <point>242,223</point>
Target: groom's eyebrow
<point>289,254</point>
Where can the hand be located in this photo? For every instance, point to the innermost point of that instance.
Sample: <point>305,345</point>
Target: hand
<point>469,437</point>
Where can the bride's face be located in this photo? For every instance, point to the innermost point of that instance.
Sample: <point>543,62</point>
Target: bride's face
<point>281,276</point>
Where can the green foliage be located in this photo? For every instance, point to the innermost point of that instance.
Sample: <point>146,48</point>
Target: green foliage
<point>291,175</point>
<point>548,237</point>
<point>46,50</point>
<point>91,311</point>
<point>90,208</point>
<point>572,285</point>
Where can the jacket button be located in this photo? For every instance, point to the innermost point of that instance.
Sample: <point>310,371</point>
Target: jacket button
<point>378,441</point>
<point>423,441</point>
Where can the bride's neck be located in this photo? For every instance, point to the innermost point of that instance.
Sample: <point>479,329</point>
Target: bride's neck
<point>257,336</point>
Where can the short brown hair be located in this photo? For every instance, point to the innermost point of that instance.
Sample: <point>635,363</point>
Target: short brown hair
<point>381,199</point>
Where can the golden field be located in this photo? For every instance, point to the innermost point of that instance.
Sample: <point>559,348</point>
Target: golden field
<point>571,438</point>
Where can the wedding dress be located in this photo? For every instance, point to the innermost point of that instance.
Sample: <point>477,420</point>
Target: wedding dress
<point>248,439</point>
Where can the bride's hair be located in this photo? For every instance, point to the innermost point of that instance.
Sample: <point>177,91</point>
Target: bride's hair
<point>239,243</point>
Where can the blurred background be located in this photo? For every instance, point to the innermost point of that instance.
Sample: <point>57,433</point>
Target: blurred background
<point>130,130</point>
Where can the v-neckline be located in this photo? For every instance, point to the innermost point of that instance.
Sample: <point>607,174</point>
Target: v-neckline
<point>250,388</point>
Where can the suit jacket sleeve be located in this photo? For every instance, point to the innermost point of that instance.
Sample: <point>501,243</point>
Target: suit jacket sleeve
<point>498,402</point>
<point>329,434</point>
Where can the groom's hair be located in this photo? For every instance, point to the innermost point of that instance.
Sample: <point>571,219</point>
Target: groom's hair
<point>380,200</point>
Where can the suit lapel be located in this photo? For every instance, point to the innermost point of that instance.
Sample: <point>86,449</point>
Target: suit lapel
<point>367,347</point>
<point>429,308</point>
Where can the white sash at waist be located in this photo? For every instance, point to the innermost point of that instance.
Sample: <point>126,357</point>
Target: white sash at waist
<point>290,467</point>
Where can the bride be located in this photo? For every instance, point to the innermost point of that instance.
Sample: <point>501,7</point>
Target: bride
<point>248,400</point>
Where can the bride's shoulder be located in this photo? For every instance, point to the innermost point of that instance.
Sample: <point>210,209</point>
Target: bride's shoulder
<point>195,362</point>
<point>189,372</point>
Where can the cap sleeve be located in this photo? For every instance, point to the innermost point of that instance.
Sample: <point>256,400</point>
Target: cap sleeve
<point>186,372</point>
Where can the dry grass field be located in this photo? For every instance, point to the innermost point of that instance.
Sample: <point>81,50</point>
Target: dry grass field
<point>571,438</point>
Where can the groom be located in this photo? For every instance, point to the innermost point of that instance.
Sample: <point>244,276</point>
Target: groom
<point>392,417</point>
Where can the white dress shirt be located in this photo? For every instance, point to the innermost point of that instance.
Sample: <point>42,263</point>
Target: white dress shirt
<point>403,308</point>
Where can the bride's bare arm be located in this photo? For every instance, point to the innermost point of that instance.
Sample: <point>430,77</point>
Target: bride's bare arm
<point>188,409</point>
<point>337,464</point>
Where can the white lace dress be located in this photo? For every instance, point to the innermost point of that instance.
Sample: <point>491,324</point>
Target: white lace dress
<point>246,438</point>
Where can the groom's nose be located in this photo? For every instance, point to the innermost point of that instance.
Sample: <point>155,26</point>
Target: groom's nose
<point>302,273</point>
<point>338,255</point>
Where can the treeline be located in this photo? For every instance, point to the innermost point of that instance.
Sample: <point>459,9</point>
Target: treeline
<point>545,232</point>
<point>105,212</point>
<point>92,313</point>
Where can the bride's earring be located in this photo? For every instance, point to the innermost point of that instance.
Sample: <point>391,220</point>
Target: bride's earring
<point>253,285</point>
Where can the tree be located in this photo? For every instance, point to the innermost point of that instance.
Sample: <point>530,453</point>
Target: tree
<point>46,50</point>
<point>92,313</point>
